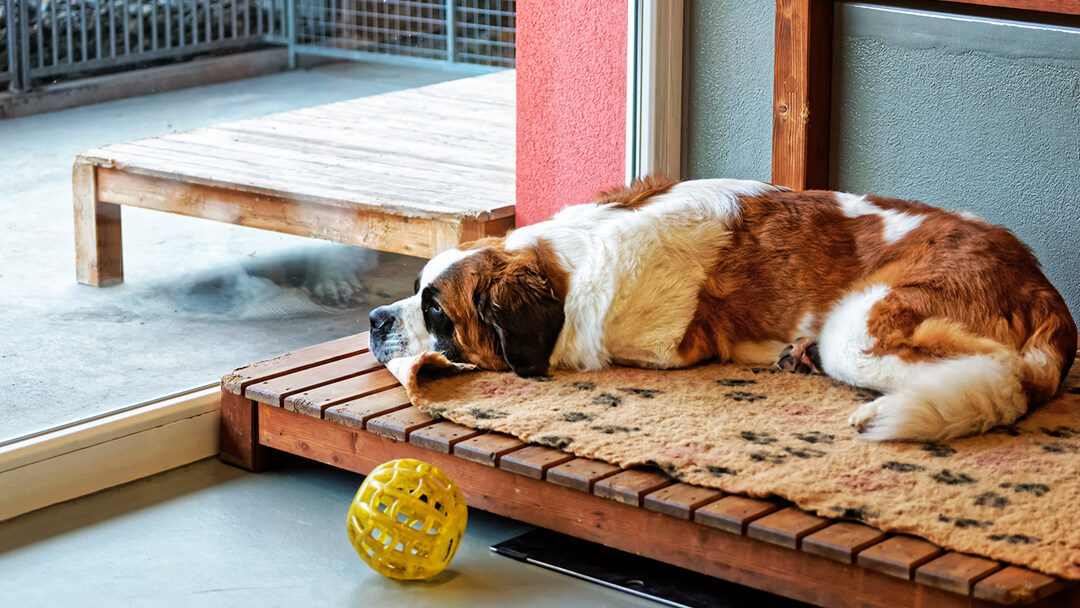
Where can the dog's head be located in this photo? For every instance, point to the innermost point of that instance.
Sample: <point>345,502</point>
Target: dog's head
<point>483,305</point>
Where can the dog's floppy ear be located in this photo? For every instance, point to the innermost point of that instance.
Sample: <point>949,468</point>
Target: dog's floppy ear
<point>526,313</point>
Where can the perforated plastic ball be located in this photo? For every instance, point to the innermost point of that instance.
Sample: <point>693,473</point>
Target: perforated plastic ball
<point>407,519</point>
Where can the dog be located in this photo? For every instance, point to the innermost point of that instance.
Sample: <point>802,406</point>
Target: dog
<point>949,317</point>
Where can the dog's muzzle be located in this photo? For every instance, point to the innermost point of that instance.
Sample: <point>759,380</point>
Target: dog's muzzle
<point>397,330</point>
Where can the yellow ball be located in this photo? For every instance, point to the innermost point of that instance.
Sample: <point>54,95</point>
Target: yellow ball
<point>407,519</point>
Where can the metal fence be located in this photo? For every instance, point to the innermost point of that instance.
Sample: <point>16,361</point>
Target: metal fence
<point>474,32</point>
<point>46,40</point>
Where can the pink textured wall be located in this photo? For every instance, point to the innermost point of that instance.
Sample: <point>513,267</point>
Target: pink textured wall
<point>571,102</point>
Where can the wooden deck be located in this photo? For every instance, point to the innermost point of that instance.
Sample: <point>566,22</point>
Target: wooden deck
<point>336,404</point>
<point>415,172</point>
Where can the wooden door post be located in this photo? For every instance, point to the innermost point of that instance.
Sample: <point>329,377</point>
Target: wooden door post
<point>801,94</point>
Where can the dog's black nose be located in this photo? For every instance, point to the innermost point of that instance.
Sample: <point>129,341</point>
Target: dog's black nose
<point>381,318</point>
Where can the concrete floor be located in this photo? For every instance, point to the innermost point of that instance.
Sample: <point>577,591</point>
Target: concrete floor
<point>212,535</point>
<point>200,298</point>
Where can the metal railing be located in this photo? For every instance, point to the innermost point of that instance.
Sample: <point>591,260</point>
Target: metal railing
<point>471,32</point>
<point>51,39</point>
<point>47,40</point>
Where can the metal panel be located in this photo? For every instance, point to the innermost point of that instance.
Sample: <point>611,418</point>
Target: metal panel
<point>56,39</point>
<point>42,41</point>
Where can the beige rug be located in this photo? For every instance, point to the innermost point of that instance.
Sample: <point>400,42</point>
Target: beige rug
<point>1012,495</point>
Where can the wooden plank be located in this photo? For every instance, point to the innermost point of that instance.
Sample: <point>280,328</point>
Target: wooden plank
<point>373,142</point>
<point>630,487</point>
<point>733,513</point>
<point>382,230</point>
<point>442,436</point>
<point>486,449</point>
<point>360,174</point>
<point>99,256</point>
<point>356,412</point>
<point>1015,585</point>
<point>682,543</point>
<point>295,361</point>
<point>842,541</point>
<point>680,499</point>
<point>1064,7</point>
<point>533,460</point>
<point>785,527</point>
<point>313,402</point>
<point>276,390</point>
<point>399,424</point>
<point>956,572</point>
<point>300,154</point>
<point>898,556</point>
<point>239,432</point>
<point>801,93</point>
<point>581,473</point>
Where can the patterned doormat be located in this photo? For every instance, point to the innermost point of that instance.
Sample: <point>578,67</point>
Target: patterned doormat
<point>1012,494</point>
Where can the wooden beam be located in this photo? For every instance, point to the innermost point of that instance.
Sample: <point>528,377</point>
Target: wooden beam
<point>417,236</point>
<point>732,557</point>
<point>801,93</point>
<point>1063,7</point>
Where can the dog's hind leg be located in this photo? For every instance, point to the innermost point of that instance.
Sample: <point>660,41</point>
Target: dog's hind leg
<point>939,380</point>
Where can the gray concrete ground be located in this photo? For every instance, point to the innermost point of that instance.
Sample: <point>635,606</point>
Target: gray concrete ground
<point>211,535</point>
<point>200,298</point>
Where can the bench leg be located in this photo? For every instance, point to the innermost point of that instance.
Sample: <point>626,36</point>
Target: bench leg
<point>240,432</point>
<point>98,251</point>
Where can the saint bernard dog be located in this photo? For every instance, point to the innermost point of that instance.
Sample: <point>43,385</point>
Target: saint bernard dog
<point>949,317</point>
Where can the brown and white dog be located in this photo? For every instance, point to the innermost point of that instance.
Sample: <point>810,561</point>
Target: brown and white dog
<point>948,316</point>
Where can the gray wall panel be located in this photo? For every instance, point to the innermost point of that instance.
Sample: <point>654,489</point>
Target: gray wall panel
<point>964,113</point>
<point>729,88</point>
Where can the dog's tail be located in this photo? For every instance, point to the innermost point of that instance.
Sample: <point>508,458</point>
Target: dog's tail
<point>970,394</point>
<point>1049,351</point>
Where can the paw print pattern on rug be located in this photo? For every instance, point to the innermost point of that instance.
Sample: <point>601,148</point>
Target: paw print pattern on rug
<point>611,429</point>
<point>584,386</point>
<point>938,450</point>
<point>644,393</point>
<point>1015,539</point>
<point>902,467</point>
<point>577,417</point>
<point>758,438</point>
<point>953,479</point>
<point>991,499</point>
<point>1061,432</point>
<point>804,452</point>
<point>745,396</point>
<point>1059,447</point>
<point>766,456</point>
<point>734,382</point>
<point>816,437</point>
<point>1037,489</point>
<point>964,522</point>
<point>484,414</point>
<point>607,399</point>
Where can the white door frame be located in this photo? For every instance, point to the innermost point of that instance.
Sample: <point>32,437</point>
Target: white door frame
<point>654,88</point>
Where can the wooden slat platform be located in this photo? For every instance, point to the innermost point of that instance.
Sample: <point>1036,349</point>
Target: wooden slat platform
<point>766,544</point>
<point>414,171</point>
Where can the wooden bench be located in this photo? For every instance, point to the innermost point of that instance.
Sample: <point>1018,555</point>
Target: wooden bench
<point>415,172</point>
<point>336,404</point>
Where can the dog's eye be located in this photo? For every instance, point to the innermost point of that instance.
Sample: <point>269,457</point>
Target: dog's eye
<point>434,309</point>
